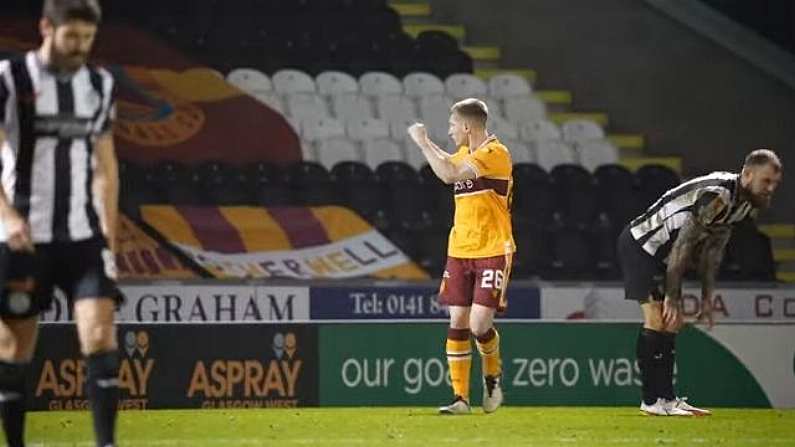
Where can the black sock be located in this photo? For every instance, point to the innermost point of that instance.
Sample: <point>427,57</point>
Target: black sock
<point>650,362</point>
<point>12,401</point>
<point>669,359</point>
<point>103,391</point>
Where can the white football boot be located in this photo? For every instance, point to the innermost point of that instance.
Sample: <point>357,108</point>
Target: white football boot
<point>492,393</point>
<point>457,406</point>
<point>681,403</point>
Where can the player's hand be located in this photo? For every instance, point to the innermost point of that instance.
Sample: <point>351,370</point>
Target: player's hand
<point>18,231</point>
<point>671,311</point>
<point>705,315</point>
<point>418,133</point>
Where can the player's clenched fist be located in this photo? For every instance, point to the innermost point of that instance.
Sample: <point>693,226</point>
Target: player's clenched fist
<point>418,133</point>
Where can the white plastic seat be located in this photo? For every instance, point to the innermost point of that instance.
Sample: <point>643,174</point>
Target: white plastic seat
<point>269,98</point>
<point>435,107</point>
<point>307,105</point>
<point>520,152</point>
<point>308,151</point>
<point>380,151</point>
<point>249,80</point>
<point>295,123</point>
<point>334,150</point>
<point>595,153</point>
<point>581,130</point>
<point>292,81</point>
<point>506,85</point>
<point>316,129</point>
<point>332,83</point>
<point>378,83</point>
<point>418,85</point>
<point>395,107</point>
<point>552,153</point>
<point>413,155</point>
<point>540,130</point>
<point>351,106</point>
<point>398,129</point>
<point>464,85</point>
<point>501,127</point>
<point>362,129</point>
<point>523,109</point>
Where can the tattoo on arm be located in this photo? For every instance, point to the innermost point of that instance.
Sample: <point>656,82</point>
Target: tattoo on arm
<point>681,250</point>
<point>710,259</point>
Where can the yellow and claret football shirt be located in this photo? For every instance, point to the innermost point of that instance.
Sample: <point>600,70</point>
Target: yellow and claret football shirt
<point>482,222</point>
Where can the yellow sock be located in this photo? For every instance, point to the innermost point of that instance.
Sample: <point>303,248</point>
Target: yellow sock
<point>489,348</point>
<point>459,358</point>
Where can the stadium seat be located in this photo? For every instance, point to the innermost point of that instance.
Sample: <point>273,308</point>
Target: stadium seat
<point>501,127</point>
<point>269,185</point>
<point>520,152</point>
<point>270,99</point>
<point>432,247</point>
<point>465,85</point>
<point>306,105</point>
<point>439,202</point>
<point>508,85</point>
<point>380,151</point>
<point>316,129</point>
<point>249,80</point>
<point>311,184</point>
<point>360,190</point>
<point>753,252</point>
<point>581,130</point>
<point>176,184</point>
<point>418,85</point>
<point>533,251</point>
<point>603,247</point>
<point>576,196</point>
<point>654,181</point>
<point>595,153</point>
<point>398,129</point>
<point>308,151</point>
<point>572,256</point>
<point>435,113</point>
<point>331,151</point>
<point>292,81</point>
<point>619,196</point>
<point>540,130</point>
<point>524,109</point>
<point>533,196</point>
<point>332,83</point>
<point>361,129</point>
<point>553,153</point>
<point>395,107</point>
<point>351,106</point>
<point>380,84</point>
<point>404,194</point>
<point>224,185</point>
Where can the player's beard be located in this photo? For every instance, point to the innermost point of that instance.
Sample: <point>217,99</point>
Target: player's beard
<point>66,62</point>
<point>761,201</point>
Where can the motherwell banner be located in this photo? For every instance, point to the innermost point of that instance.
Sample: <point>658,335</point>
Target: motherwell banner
<point>291,242</point>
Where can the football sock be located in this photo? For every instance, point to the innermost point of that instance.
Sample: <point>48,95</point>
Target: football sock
<point>489,347</point>
<point>103,392</point>
<point>12,401</point>
<point>459,359</point>
<point>669,360</point>
<point>650,361</point>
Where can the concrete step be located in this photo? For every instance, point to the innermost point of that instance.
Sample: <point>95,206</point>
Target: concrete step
<point>456,31</point>
<point>597,117</point>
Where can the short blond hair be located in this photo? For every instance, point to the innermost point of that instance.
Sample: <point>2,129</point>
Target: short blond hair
<point>472,110</point>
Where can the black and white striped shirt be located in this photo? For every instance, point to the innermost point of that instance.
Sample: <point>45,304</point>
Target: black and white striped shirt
<point>51,123</point>
<point>657,228</point>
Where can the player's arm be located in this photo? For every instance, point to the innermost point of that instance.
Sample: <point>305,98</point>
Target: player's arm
<point>709,261</point>
<point>706,209</point>
<point>438,159</point>
<point>106,186</point>
<point>17,228</point>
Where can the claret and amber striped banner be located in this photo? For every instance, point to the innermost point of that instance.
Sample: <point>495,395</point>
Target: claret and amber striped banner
<point>290,242</point>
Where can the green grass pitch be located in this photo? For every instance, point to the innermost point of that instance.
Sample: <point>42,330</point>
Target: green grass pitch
<point>510,426</point>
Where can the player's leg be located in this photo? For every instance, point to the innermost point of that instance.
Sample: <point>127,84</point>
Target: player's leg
<point>17,344</point>
<point>94,296</point>
<point>455,291</point>
<point>669,356</point>
<point>491,279</point>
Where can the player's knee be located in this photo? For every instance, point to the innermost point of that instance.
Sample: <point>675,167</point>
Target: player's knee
<point>654,322</point>
<point>479,327</point>
<point>97,337</point>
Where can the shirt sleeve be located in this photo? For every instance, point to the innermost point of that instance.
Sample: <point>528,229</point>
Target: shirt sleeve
<point>5,93</point>
<point>108,116</point>
<point>489,161</point>
<point>710,205</point>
